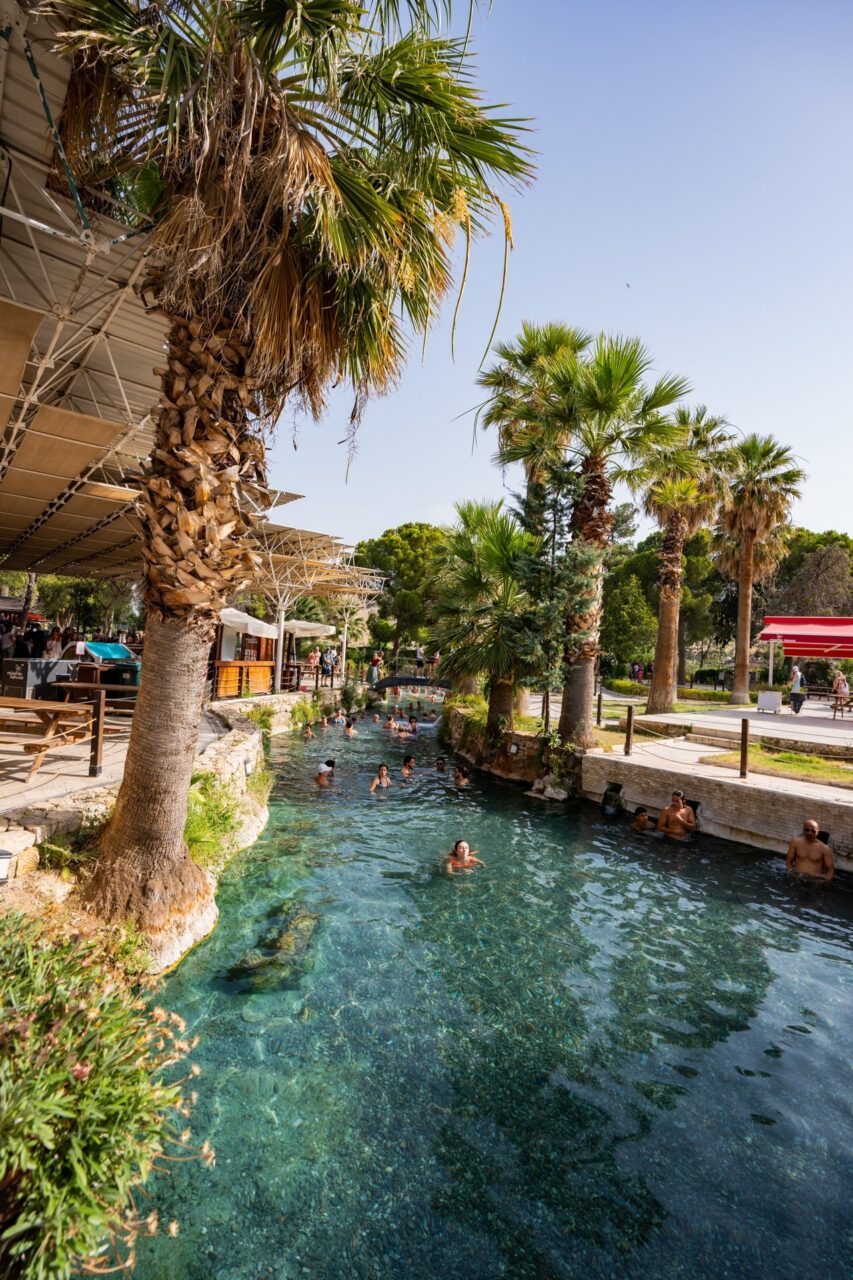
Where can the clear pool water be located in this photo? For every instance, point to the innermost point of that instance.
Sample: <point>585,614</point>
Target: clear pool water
<point>597,1057</point>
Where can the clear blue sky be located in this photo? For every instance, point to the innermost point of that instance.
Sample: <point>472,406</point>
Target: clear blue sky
<point>700,152</point>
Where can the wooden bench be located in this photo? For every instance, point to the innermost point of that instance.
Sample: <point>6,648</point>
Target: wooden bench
<point>114,706</point>
<point>843,702</point>
<point>40,726</point>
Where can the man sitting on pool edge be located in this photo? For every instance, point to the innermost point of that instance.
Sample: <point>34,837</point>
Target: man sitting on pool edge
<point>809,856</point>
<point>677,820</point>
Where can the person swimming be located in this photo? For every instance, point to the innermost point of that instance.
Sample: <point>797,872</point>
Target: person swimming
<point>382,780</point>
<point>461,859</point>
<point>808,856</point>
<point>325,773</point>
<point>408,766</point>
<point>441,764</point>
<point>376,718</point>
<point>460,776</point>
<point>677,820</point>
<point>642,820</point>
<point>350,731</point>
<point>308,733</point>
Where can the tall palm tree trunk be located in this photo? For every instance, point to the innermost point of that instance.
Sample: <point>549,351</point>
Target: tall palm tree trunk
<point>743,635</point>
<point>144,871</point>
<point>27,602</point>
<point>501,699</point>
<point>681,676</point>
<point>662,693</point>
<point>591,522</point>
<point>196,542</point>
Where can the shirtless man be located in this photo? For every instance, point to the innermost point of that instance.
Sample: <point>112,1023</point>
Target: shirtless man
<point>460,776</point>
<point>809,856</point>
<point>677,820</point>
<point>350,731</point>
<point>642,821</point>
<point>325,773</point>
<point>462,858</point>
<point>408,766</point>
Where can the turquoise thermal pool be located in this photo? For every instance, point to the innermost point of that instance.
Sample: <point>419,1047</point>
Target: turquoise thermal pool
<point>599,1056</point>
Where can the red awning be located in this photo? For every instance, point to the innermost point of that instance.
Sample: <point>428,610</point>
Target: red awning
<point>811,637</point>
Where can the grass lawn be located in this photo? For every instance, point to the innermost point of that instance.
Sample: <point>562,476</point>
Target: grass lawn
<point>790,764</point>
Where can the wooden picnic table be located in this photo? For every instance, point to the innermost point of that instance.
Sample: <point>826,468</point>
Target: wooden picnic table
<point>116,706</point>
<point>39,726</point>
<point>843,702</point>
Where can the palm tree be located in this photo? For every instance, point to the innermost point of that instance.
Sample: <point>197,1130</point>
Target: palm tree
<point>304,164</point>
<point>612,421</point>
<point>481,604</point>
<point>518,390</point>
<point>683,487</point>
<point>765,481</point>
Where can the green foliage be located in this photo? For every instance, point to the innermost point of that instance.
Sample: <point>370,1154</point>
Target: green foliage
<point>628,626</point>
<point>304,712</point>
<point>211,818</point>
<point>84,602</point>
<point>85,1113</point>
<point>259,785</point>
<point>262,715</point>
<point>69,854</point>
<point>629,688</point>
<point>408,558</point>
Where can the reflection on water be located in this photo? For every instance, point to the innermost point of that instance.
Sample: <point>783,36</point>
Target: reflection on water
<point>599,1056</point>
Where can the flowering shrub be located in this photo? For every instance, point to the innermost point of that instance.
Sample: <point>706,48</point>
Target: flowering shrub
<point>85,1113</point>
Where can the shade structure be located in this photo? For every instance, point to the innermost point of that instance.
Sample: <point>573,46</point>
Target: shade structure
<point>302,629</point>
<point>246,625</point>
<point>803,637</point>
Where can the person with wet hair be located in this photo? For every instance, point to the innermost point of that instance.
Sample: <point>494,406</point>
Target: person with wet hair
<point>460,776</point>
<point>642,821</point>
<point>677,820</point>
<point>462,859</point>
<point>382,780</point>
<point>408,766</point>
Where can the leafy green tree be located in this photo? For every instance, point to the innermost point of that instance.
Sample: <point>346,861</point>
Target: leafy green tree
<point>628,624</point>
<point>481,603</point>
<point>821,586</point>
<point>305,164</point>
<point>408,557</point>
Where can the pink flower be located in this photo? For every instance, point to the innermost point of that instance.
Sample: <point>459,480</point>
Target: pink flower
<point>81,1070</point>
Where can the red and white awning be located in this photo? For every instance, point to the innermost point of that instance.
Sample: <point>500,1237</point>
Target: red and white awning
<point>811,637</point>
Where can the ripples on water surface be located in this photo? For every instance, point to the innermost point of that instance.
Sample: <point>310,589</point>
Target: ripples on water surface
<point>598,1057</point>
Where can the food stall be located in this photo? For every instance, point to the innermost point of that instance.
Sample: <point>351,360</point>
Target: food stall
<point>244,655</point>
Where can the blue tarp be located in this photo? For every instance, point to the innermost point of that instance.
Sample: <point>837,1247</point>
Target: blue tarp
<point>110,652</point>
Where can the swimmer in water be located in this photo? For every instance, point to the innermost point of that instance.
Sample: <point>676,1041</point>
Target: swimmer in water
<point>408,766</point>
<point>461,859</point>
<point>307,733</point>
<point>460,776</point>
<point>381,780</point>
<point>350,731</point>
<point>677,820</point>
<point>808,856</point>
<point>376,718</point>
<point>441,764</point>
<point>325,773</point>
<point>642,821</point>
<point>390,723</point>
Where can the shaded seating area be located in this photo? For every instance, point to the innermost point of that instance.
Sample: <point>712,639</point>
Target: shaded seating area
<point>38,727</point>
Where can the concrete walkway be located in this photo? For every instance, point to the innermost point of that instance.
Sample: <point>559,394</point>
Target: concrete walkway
<point>684,760</point>
<point>64,772</point>
<point>814,724</point>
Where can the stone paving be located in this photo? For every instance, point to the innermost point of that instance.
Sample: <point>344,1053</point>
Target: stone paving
<point>67,771</point>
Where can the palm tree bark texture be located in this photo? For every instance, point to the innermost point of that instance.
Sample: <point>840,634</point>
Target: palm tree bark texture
<point>198,552</point>
<point>663,691</point>
<point>746,576</point>
<point>591,521</point>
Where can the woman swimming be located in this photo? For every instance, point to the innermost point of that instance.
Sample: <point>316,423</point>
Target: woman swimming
<point>381,780</point>
<point>462,858</point>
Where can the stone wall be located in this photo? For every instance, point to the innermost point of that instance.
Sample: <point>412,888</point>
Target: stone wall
<point>741,810</point>
<point>232,758</point>
<point>233,710</point>
<point>518,758</point>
